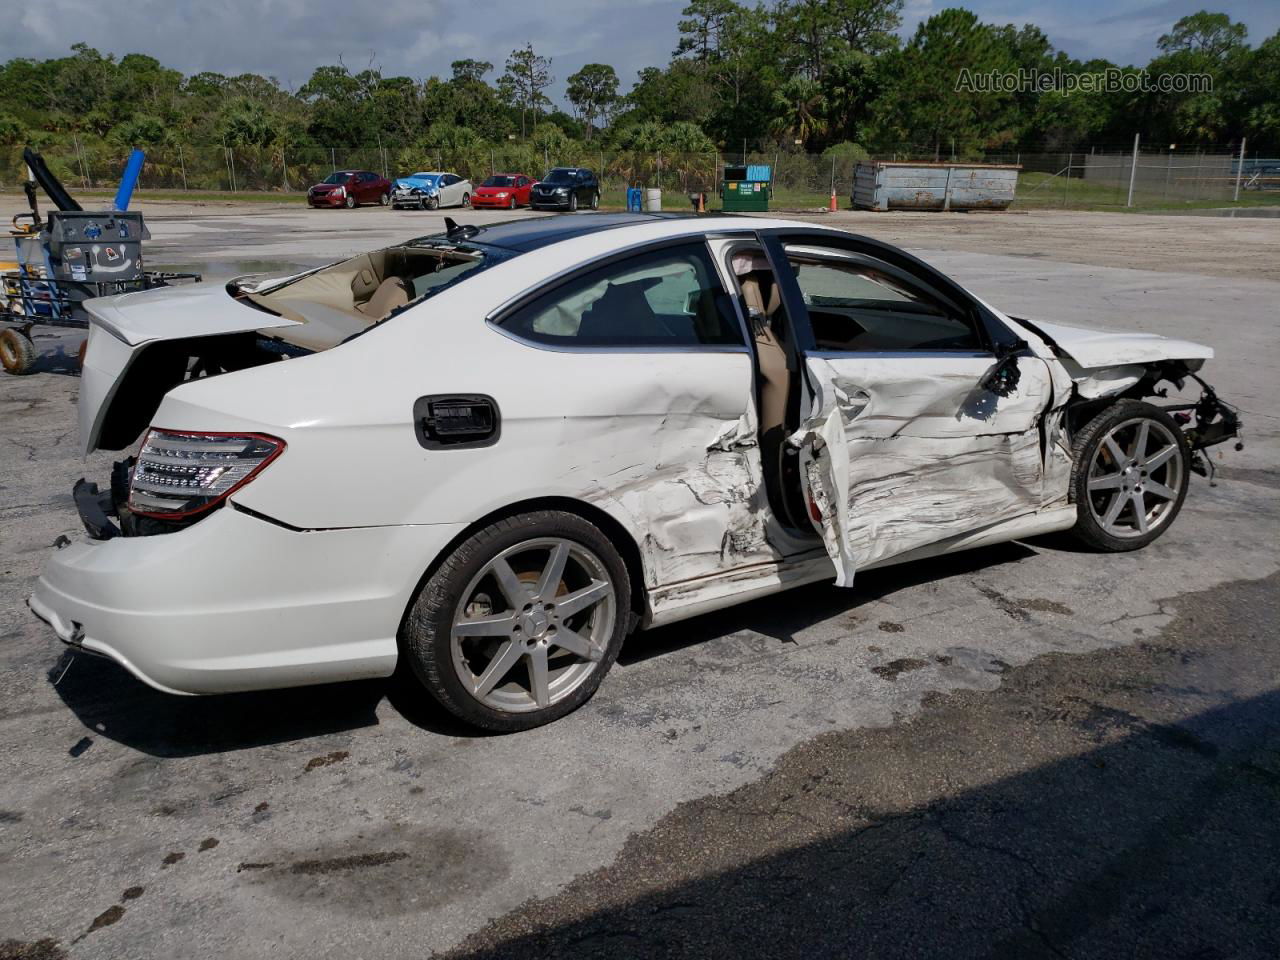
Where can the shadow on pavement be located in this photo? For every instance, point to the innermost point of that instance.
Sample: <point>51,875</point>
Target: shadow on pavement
<point>1088,808</point>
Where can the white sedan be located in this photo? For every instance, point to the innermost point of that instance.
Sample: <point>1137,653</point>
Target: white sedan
<point>430,190</point>
<point>495,452</point>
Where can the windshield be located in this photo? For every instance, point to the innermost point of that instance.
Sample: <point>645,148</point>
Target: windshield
<point>499,182</point>
<point>337,177</point>
<point>560,176</point>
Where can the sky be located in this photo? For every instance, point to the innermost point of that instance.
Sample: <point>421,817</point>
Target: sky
<point>288,38</point>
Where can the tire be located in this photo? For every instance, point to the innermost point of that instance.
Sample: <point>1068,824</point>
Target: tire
<point>573,202</point>
<point>1109,474</point>
<point>595,201</point>
<point>384,199</point>
<point>463,589</point>
<point>349,202</point>
<point>466,199</point>
<point>430,203</point>
<point>512,205</point>
<point>17,352</point>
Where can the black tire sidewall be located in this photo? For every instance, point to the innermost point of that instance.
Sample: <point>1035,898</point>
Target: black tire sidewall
<point>1085,448</point>
<point>426,641</point>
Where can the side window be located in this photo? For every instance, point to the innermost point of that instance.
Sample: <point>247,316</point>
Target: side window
<point>856,307</point>
<point>667,298</point>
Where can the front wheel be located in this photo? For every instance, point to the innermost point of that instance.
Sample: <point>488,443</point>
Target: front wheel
<point>349,202</point>
<point>573,202</point>
<point>521,622</point>
<point>466,199</point>
<point>1130,475</point>
<point>430,203</point>
<point>512,204</point>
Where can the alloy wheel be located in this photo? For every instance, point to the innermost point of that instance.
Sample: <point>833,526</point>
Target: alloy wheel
<point>1135,477</point>
<point>533,625</point>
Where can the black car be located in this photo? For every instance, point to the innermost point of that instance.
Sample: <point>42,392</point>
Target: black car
<point>566,188</point>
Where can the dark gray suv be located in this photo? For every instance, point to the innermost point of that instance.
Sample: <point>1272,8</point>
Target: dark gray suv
<point>566,188</point>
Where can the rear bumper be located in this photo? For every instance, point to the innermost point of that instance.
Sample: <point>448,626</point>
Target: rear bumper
<point>236,603</point>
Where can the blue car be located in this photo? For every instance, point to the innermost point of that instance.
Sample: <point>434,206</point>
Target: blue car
<point>430,190</point>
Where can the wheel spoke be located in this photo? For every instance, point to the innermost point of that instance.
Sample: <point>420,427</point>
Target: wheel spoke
<point>580,600</point>
<point>1113,448</point>
<point>1108,482</point>
<point>506,658</point>
<point>499,626</point>
<point>1140,441</point>
<point>1160,490</point>
<point>576,643</point>
<point>512,588</point>
<point>539,676</point>
<point>1159,458</point>
<point>553,573</point>
<point>1139,511</point>
<point>1114,508</point>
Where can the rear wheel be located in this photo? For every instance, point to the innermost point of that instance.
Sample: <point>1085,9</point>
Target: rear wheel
<point>17,351</point>
<point>521,622</point>
<point>595,201</point>
<point>384,199</point>
<point>1132,467</point>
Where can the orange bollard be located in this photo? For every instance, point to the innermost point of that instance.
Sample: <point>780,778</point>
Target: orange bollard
<point>834,206</point>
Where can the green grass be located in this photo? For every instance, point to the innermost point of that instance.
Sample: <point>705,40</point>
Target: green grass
<point>1036,191</point>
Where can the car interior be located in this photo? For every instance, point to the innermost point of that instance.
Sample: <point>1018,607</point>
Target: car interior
<point>346,298</point>
<point>777,385</point>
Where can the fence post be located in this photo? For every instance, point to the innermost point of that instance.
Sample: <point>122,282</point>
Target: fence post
<point>1199,165</point>
<point>284,168</point>
<point>182,164</point>
<point>1133,169</point>
<point>333,159</point>
<point>1066,183</point>
<point>1240,169</point>
<point>1168,172</point>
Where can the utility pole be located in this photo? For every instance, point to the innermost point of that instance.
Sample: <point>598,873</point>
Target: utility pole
<point>1240,168</point>
<point>1133,169</point>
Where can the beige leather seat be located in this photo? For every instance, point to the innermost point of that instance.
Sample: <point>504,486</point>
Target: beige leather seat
<point>392,292</point>
<point>775,380</point>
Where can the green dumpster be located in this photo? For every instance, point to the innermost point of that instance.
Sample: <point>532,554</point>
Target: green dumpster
<point>746,187</point>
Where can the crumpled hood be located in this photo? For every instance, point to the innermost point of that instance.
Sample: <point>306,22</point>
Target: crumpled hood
<point>1103,348</point>
<point>421,183</point>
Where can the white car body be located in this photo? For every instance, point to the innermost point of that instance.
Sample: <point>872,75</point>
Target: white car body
<point>304,575</point>
<point>427,188</point>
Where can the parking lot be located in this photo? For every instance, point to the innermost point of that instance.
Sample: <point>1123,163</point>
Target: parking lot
<point>1026,750</point>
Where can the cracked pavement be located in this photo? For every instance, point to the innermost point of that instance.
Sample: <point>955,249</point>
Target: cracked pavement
<point>1026,750</point>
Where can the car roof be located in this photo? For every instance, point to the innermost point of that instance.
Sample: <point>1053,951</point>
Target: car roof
<point>532,233</point>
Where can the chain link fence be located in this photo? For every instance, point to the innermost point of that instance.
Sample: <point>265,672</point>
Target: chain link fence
<point>1095,177</point>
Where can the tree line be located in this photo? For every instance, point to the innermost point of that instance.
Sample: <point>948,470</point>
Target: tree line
<point>814,76</point>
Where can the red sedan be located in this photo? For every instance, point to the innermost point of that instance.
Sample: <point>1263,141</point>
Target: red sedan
<point>508,190</point>
<point>350,188</point>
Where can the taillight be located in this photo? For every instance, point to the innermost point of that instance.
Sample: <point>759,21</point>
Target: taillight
<point>178,474</point>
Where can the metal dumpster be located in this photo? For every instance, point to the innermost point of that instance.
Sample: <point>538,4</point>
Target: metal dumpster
<point>746,187</point>
<point>934,186</point>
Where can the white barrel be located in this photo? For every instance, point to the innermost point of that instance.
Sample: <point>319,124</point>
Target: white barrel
<point>652,198</point>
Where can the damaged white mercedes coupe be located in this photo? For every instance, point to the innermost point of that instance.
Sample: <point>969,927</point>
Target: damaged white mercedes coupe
<point>494,452</point>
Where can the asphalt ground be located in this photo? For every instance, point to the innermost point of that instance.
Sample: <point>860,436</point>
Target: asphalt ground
<point>1026,750</point>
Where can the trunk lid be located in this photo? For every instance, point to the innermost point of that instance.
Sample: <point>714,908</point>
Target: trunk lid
<point>122,327</point>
